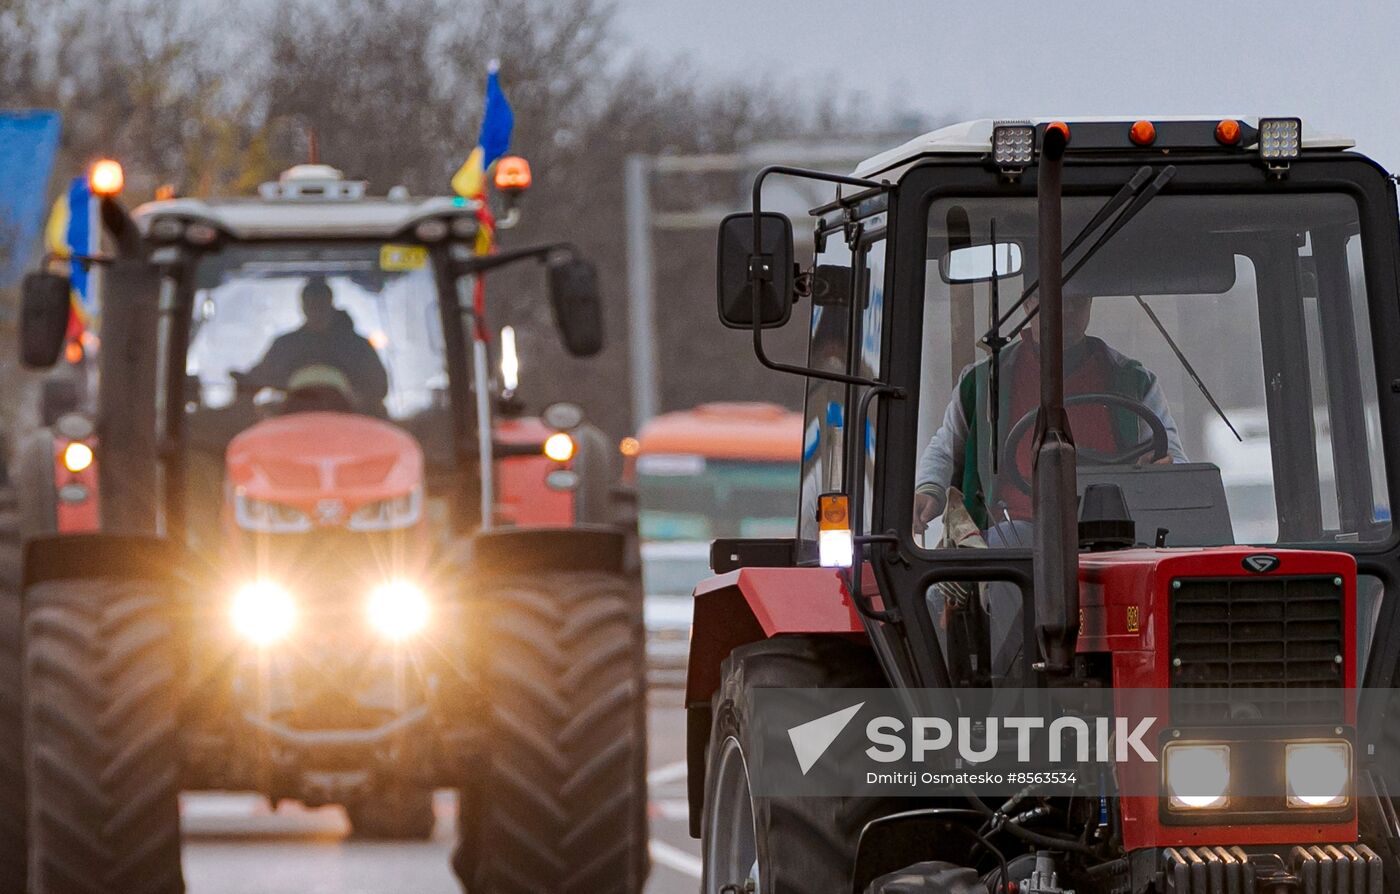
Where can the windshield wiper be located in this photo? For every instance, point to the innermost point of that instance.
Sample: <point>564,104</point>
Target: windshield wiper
<point>1125,192</point>
<point>1121,221</point>
<point>1190,370</point>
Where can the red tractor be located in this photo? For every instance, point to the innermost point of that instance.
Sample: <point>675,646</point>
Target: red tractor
<point>305,543</point>
<point>1099,413</point>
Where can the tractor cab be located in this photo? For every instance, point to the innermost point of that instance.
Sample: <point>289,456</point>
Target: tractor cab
<point>1093,405</point>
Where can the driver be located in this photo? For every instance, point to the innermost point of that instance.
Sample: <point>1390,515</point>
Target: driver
<point>327,339</point>
<point>1091,367</point>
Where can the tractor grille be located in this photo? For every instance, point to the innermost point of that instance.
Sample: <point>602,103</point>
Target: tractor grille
<point>1278,635</point>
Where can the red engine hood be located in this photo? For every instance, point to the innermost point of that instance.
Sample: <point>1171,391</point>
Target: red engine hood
<point>303,458</point>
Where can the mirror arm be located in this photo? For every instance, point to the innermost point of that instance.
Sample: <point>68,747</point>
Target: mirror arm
<point>758,273</point>
<point>85,260</point>
<point>500,259</point>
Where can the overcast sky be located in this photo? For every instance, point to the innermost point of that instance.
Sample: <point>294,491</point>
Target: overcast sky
<point>1335,63</point>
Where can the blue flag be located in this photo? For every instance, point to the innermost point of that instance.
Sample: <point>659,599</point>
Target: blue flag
<point>28,142</point>
<point>497,120</point>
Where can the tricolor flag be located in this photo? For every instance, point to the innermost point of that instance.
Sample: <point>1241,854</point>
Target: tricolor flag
<point>71,230</point>
<point>497,121</point>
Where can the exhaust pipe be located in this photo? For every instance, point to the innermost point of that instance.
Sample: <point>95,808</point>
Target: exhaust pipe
<point>1056,540</point>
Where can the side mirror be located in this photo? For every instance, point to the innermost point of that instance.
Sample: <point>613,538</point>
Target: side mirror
<point>578,311</point>
<point>44,309</point>
<point>737,253</point>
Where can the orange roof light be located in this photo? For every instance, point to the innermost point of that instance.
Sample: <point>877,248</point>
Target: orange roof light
<point>1062,127</point>
<point>629,447</point>
<point>1228,132</point>
<point>1142,133</point>
<point>106,178</point>
<point>513,174</point>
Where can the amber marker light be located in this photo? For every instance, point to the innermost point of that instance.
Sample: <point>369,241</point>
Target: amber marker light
<point>1142,133</point>
<point>559,447</point>
<point>77,456</point>
<point>1228,132</point>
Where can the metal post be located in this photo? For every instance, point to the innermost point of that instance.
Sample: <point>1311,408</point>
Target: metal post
<point>481,384</point>
<point>641,310</point>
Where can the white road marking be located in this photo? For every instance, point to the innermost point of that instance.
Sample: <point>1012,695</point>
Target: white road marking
<point>668,773</point>
<point>672,857</point>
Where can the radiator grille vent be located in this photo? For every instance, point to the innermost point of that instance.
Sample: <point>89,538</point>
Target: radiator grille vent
<point>1260,633</point>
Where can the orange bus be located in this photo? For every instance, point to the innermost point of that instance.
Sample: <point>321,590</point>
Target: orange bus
<point>719,470</point>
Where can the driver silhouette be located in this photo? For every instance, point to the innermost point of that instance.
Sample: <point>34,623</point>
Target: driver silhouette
<point>1116,409</point>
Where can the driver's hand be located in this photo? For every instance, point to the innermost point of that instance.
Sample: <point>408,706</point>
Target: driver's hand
<point>927,507</point>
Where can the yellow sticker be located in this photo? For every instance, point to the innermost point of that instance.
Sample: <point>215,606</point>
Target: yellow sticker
<point>396,258</point>
<point>1134,619</point>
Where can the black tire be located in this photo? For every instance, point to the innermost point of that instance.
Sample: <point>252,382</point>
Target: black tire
<point>14,842</point>
<point>560,802</point>
<point>803,844</point>
<point>394,812</point>
<point>102,757</point>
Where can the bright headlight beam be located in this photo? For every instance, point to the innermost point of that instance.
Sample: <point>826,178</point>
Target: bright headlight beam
<point>1319,773</point>
<point>1198,776</point>
<point>398,609</point>
<point>263,612</point>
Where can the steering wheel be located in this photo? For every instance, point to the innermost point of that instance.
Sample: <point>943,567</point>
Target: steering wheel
<point>1154,446</point>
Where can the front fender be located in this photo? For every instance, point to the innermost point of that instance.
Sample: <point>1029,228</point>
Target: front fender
<point>751,604</point>
<point>745,606</point>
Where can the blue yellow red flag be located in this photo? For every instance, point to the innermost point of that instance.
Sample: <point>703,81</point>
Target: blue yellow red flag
<point>69,232</point>
<point>497,122</point>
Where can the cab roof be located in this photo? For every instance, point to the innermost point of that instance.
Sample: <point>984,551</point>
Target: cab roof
<point>309,202</point>
<point>975,138</point>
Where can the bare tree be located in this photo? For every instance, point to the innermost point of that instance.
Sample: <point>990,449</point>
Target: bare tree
<point>215,97</point>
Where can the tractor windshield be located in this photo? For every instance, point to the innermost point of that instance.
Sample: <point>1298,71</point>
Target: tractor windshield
<point>1218,368</point>
<point>355,326</point>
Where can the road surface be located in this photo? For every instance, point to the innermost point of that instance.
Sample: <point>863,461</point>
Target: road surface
<point>235,845</point>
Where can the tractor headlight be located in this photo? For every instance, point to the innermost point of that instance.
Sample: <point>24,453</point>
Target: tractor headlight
<point>398,609</point>
<point>263,612</point>
<point>1319,773</point>
<point>267,517</point>
<point>1197,776</point>
<point>385,515</point>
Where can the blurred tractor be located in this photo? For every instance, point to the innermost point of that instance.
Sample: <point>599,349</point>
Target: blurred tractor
<point>306,544</point>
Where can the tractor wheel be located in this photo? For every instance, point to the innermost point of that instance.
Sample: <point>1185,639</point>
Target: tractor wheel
<point>100,703</point>
<point>394,812</point>
<point>13,842</point>
<point>779,843</point>
<point>560,802</point>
